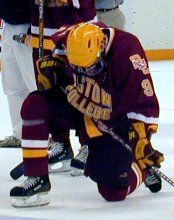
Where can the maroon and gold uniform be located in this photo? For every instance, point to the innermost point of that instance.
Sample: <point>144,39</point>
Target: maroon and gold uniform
<point>121,95</point>
<point>112,94</point>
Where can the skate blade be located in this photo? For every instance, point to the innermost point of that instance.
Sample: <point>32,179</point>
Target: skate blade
<point>41,199</point>
<point>63,166</point>
<point>77,172</point>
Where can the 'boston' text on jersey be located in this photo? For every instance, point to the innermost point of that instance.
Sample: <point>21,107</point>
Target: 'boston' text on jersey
<point>90,99</point>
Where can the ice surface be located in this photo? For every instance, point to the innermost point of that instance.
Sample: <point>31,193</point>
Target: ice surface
<point>76,198</point>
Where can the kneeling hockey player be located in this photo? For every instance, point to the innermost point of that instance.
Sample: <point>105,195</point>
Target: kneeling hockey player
<point>105,83</point>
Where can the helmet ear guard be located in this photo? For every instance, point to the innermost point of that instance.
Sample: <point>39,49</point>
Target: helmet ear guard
<point>86,45</point>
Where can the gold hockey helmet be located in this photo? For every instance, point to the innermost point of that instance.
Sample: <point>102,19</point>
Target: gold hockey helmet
<point>85,44</point>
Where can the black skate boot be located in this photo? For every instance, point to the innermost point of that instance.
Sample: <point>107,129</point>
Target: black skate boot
<point>32,192</point>
<point>79,161</point>
<point>60,152</point>
<point>153,182</point>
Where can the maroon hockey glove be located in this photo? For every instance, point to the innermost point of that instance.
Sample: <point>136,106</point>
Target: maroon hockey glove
<point>144,153</point>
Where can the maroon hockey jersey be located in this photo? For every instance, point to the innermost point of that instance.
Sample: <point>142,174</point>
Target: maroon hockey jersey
<point>56,14</point>
<point>123,88</point>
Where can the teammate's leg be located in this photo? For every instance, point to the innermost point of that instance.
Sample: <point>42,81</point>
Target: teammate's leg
<point>34,190</point>
<point>39,111</point>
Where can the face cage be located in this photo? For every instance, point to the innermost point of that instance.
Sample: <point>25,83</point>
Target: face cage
<point>90,71</point>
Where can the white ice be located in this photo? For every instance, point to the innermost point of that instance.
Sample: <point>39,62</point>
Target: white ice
<point>76,198</point>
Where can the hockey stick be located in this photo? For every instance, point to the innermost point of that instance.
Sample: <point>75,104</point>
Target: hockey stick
<point>41,28</point>
<point>104,128</point>
<point>166,178</point>
<point>17,171</point>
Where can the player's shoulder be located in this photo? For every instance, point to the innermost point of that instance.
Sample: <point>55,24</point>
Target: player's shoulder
<point>127,41</point>
<point>61,35</point>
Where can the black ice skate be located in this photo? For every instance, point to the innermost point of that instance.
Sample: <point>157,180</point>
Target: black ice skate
<point>32,192</point>
<point>79,161</point>
<point>60,155</point>
<point>153,182</point>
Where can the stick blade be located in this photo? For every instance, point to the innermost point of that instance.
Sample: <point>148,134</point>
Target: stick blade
<point>17,171</point>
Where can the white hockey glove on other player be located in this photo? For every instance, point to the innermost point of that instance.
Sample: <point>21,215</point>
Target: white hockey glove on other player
<point>144,153</point>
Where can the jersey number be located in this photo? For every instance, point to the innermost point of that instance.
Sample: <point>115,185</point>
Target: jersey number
<point>148,90</point>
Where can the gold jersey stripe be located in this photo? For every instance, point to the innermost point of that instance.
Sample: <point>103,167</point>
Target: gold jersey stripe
<point>91,128</point>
